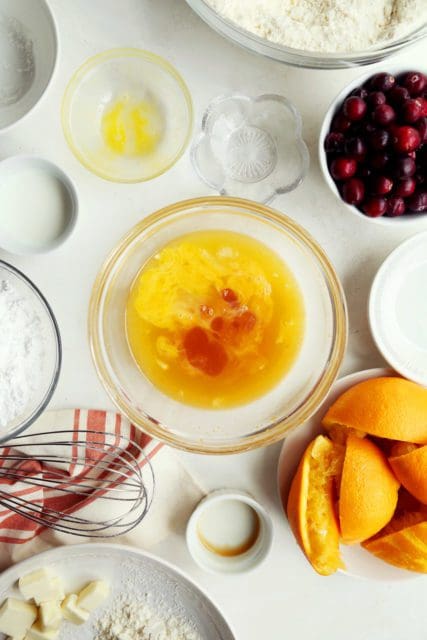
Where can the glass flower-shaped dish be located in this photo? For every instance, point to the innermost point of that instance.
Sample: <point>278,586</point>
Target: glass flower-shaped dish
<point>251,147</point>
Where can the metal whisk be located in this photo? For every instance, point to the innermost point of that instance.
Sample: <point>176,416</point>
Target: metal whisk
<point>54,483</point>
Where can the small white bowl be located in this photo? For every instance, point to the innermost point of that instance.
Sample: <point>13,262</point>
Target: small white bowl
<point>332,110</point>
<point>28,54</point>
<point>27,225</point>
<point>398,309</point>
<point>239,563</point>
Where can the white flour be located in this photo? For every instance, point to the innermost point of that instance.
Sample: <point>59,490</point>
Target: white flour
<point>134,619</point>
<point>21,353</point>
<point>325,25</point>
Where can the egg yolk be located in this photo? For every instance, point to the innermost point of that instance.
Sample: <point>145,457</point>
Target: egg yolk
<point>132,128</point>
<point>215,319</point>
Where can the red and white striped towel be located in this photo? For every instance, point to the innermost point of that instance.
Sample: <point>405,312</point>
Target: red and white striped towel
<point>175,496</point>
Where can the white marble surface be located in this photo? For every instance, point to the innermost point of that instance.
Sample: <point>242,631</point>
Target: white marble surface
<point>284,598</point>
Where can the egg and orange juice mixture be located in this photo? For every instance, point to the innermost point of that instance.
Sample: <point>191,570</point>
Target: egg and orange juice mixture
<point>215,319</point>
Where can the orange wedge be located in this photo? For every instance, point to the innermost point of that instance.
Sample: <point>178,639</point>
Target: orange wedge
<point>391,408</point>
<point>368,491</point>
<point>403,542</point>
<point>411,471</point>
<point>310,507</point>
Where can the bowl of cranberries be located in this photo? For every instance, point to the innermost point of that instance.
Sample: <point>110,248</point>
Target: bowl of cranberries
<point>373,146</point>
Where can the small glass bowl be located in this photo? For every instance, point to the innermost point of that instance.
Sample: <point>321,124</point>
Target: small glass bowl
<point>251,147</point>
<point>251,425</point>
<point>134,74</point>
<point>52,357</point>
<point>299,57</point>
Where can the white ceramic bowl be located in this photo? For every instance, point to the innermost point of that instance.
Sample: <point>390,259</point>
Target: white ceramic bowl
<point>39,225</point>
<point>215,563</point>
<point>332,109</point>
<point>28,54</point>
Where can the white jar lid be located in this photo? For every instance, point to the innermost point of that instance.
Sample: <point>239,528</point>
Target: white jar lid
<point>229,532</point>
<point>398,309</point>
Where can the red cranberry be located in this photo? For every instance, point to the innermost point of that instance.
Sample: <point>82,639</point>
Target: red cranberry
<point>334,142</point>
<point>415,82</point>
<point>382,82</point>
<point>405,187</point>
<point>378,139</point>
<point>423,103</point>
<point>353,191</point>
<point>354,108</point>
<point>406,139</point>
<point>379,160</point>
<point>376,98</point>
<point>384,114</point>
<point>404,167</point>
<point>395,207</point>
<point>375,207</point>
<point>381,185</point>
<point>397,95</point>
<point>412,110</point>
<point>355,147</point>
<point>340,123</point>
<point>360,92</point>
<point>343,168</point>
<point>422,129</point>
<point>418,202</point>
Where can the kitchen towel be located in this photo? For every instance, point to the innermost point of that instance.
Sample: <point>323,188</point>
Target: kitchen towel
<point>176,492</point>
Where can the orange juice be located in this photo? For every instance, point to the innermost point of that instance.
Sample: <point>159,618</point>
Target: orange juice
<point>215,319</point>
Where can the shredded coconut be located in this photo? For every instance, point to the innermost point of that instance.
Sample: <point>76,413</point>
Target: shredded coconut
<point>21,353</point>
<point>17,65</point>
<point>134,619</point>
<point>326,25</point>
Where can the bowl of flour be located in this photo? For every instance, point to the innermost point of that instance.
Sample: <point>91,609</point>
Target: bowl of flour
<point>324,34</point>
<point>30,352</point>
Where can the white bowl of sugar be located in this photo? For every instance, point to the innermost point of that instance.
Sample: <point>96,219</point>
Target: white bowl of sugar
<point>28,56</point>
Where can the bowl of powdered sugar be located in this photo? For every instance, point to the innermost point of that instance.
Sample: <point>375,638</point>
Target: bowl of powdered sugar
<point>324,34</point>
<point>30,352</point>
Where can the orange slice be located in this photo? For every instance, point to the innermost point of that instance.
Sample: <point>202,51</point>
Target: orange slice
<point>391,408</point>
<point>368,491</point>
<point>310,507</point>
<point>411,470</point>
<point>403,542</point>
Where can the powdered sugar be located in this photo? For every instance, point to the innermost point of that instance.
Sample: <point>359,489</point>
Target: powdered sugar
<point>326,25</point>
<point>133,618</point>
<point>17,66</point>
<point>21,352</point>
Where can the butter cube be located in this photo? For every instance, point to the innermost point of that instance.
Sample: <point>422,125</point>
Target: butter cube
<point>93,595</point>
<point>16,617</point>
<point>50,615</point>
<point>38,633</point>
<point>41,585</point>
<point>72,612</point>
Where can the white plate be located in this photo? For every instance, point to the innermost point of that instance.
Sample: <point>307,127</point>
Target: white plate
<point>359,563</point>
<point>398,309</point>
<point>128,571</point>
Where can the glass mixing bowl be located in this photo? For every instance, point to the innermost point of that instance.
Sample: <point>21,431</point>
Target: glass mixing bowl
<point>267,418</point>
<point>52,355</point>
<point>128,77</point>
<point>296,57</point>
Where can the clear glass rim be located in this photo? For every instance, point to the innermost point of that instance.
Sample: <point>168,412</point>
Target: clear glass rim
<point>93,62</point>
<point>299,57</point>
<point>50,391</point>
<point>277,428</point>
